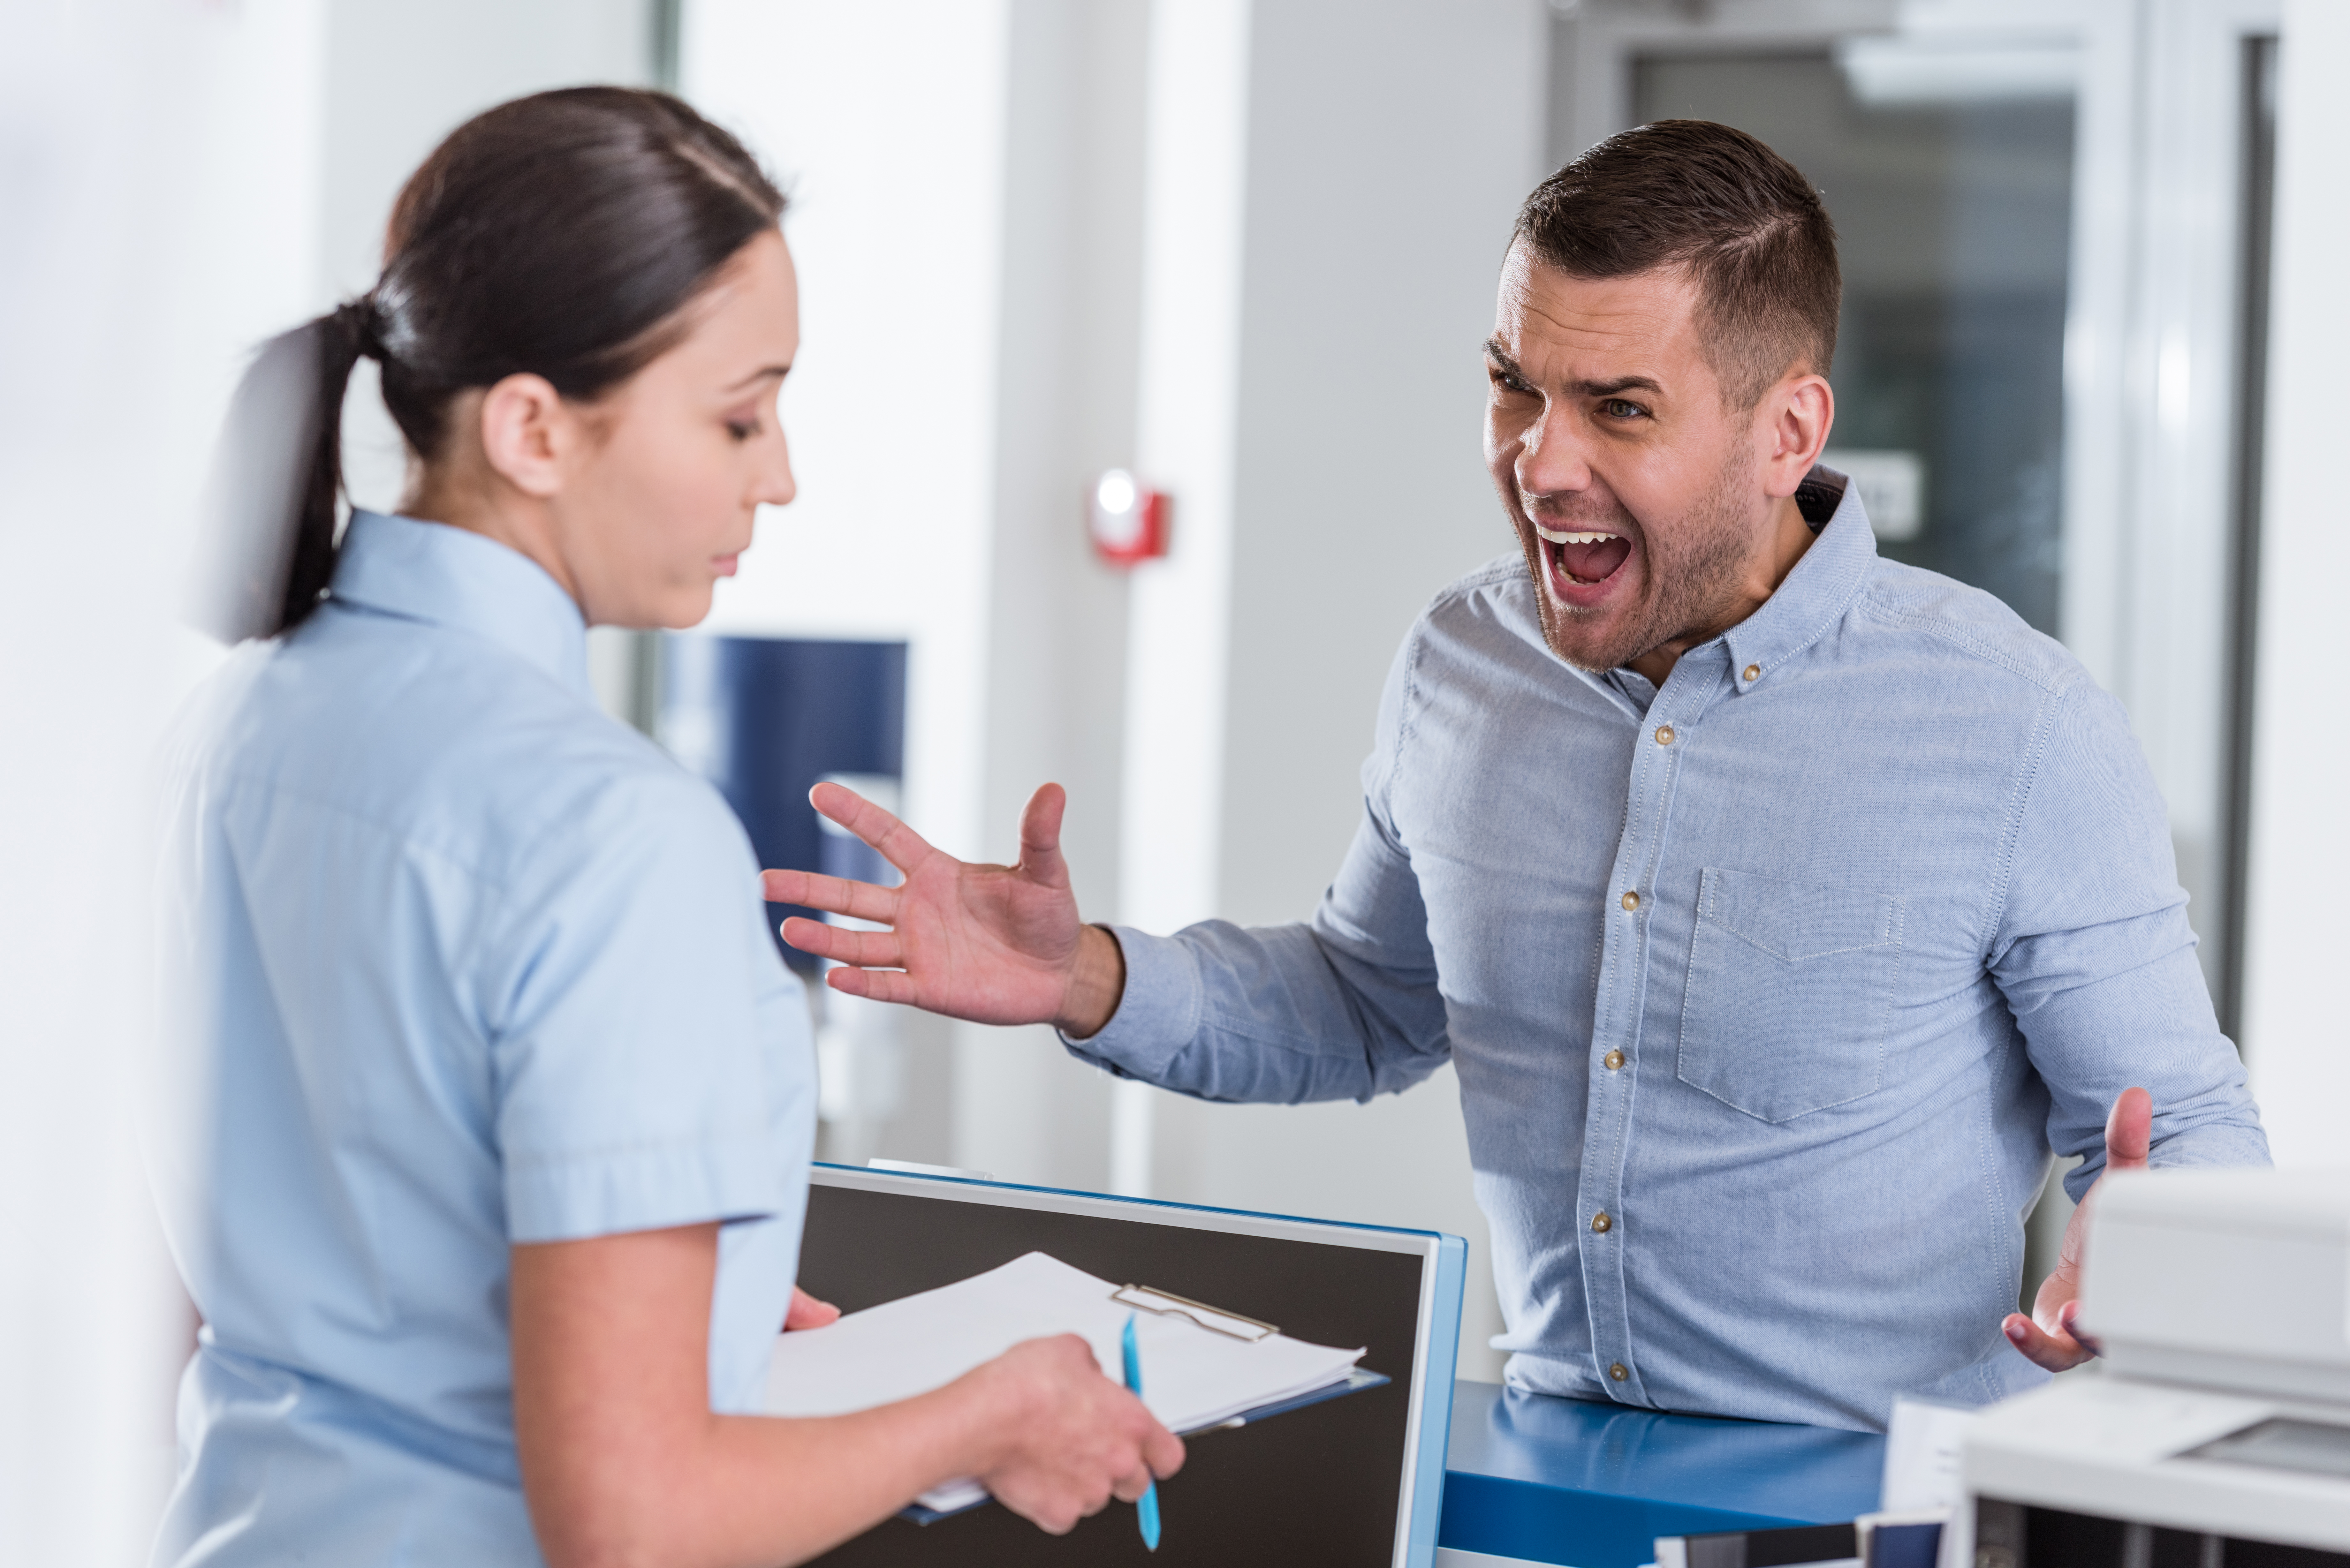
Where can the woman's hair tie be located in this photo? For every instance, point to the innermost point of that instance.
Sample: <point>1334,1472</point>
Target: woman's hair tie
<point>360,321</point>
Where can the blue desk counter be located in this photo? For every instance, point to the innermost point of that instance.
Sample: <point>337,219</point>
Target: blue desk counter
<point>1592,1485</point>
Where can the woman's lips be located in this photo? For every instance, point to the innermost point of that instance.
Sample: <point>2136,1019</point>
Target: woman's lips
<point>727,564</point>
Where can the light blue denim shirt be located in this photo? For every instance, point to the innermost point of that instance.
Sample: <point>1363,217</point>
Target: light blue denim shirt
<point>457,963</point>
<point>1769,991</point>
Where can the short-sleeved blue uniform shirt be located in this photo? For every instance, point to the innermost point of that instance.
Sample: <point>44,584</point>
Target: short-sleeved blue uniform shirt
<point>457,962</point>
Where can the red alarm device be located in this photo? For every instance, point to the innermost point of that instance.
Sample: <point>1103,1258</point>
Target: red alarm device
<point>1127,523</point>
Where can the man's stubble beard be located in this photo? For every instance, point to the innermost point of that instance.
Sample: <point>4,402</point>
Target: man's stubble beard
<point>1693,590</point>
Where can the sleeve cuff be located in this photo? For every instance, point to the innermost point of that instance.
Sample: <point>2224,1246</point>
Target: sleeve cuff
<point>650,1187</point>
<point>1158,1014</point>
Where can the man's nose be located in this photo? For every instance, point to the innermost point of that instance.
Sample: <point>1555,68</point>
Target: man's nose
<point>1552,459</point>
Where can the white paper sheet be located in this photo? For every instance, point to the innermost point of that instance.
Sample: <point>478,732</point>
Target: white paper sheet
<point>1191,1377</point>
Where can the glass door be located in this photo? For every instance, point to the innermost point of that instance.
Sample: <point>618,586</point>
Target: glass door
<point>1951,184</point>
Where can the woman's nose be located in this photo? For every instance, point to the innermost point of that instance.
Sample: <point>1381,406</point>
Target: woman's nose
<point>776,485</point>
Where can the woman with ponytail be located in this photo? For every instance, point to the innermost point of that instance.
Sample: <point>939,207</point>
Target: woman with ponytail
<point>507,1102</point>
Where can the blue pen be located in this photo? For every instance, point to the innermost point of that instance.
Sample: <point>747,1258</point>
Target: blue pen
<point>1146,1507</point>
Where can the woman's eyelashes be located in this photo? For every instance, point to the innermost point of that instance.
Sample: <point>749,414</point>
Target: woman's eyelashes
<point>742,429</point>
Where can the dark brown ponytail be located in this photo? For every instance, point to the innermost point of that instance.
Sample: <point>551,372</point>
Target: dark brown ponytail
<point>561,234</point>
<point>340,340</point>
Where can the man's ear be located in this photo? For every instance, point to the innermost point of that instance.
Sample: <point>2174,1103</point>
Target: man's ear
<point>527,431</point>
<point>1794,418</point>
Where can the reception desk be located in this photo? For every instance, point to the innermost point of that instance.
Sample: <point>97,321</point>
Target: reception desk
<point>1538,1480</point>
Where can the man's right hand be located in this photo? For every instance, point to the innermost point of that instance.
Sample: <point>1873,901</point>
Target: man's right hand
<point>994,944</point>
<point>1072,1439</point>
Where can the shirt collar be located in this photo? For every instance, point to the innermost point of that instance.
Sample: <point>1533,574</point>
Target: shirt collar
<point>1812,597</point>
<point>452,577</point>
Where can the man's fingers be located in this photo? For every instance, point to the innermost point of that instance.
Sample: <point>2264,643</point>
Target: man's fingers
<point>842,943</point>
<point>1164,1453</point>
<point>900,845</point>
<point>1040,835</point>
<point>2129,1130</point>
<point>880,984</point>
<point>2057,1353</point>
<point>833,894</point>
<point>866,950</point>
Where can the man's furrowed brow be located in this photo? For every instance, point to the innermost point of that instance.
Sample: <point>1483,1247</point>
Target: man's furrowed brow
<point>1615,385</point>
<point>1499,355</point>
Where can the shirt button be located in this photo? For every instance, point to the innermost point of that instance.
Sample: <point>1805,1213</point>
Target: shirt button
<point>1664,734</point>
<point>1631,902</point>
<point>1753,673</point>
<point>1619,1372</point>
<point>1601,1223</point>
<point>1615,1059</point>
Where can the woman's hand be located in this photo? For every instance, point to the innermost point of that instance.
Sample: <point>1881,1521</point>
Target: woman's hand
<point>994,944</point>
<point>624,1462</point>
<point>806,1312</point>
<point>1074,1439</point>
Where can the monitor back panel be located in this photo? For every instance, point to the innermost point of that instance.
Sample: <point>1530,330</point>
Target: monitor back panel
<point>1318,1486</point>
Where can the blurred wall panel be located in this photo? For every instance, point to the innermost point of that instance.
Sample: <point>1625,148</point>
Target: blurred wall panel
<point>402,74</point>
<point>1066,387</point>
<point>887,125</point>
<point>2295,1039</point>
<point>124,249</point>
<point>1387,148</point>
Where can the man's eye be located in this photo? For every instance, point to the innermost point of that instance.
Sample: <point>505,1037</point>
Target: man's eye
<point>1618,409</point>
<point>1510,383</point>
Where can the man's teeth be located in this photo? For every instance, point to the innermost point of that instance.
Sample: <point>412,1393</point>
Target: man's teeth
<point>1557,538</point>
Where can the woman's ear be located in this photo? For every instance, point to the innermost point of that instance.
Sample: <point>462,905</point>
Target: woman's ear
<point>527,433</point>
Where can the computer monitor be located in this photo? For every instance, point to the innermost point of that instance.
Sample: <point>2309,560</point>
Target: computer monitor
<point>1351,1482</point>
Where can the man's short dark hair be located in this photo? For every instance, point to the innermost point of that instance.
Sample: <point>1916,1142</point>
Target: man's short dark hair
<point>1749,228</point>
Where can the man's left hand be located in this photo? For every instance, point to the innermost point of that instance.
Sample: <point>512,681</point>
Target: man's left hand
<point>2047,1336</point>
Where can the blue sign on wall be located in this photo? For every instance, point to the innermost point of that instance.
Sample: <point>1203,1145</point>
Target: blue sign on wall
<point>764,718</point>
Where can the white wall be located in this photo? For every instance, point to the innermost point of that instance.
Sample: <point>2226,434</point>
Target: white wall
<point>2295,1037</point>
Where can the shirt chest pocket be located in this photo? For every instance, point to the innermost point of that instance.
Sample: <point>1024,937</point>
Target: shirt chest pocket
<point>1790,994</point>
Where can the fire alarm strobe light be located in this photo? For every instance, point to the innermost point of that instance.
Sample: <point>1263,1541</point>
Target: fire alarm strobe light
<point>1127,522</point>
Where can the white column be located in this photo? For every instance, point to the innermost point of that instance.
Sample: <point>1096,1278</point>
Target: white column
<point>1195,172</point>
<point>2296,1030</point>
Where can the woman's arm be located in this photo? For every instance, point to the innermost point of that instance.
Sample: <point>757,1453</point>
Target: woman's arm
<point>623,1462</point>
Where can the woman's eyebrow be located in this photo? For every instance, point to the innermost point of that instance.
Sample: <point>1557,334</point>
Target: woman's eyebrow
<point>777,371</point>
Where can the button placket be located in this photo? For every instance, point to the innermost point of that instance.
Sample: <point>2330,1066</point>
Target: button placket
<point>1620,1005</point>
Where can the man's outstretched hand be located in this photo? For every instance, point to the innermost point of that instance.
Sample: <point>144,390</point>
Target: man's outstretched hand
<point>2047,1336</point>
<point>994,944</point>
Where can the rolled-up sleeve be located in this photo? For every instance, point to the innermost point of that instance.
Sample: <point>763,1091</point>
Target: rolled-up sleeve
<point>1343,1007</point>
<point>2095,955</point>
<point>635,998</point>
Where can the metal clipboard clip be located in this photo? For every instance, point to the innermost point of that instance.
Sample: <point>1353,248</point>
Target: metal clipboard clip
<point>1215,1319</point>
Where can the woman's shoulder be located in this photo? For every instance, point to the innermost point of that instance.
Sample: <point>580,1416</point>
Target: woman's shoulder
<point>454,746</point>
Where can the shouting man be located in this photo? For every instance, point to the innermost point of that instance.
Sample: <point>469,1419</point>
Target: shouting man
<point>1782,908</point>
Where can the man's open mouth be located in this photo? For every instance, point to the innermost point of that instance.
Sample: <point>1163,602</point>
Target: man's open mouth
<point>1585,556</point>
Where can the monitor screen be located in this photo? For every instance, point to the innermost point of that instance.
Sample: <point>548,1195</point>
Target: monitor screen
<point>1328,1484</point>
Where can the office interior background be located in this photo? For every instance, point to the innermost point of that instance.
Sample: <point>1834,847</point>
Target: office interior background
<point>2090,361</point>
